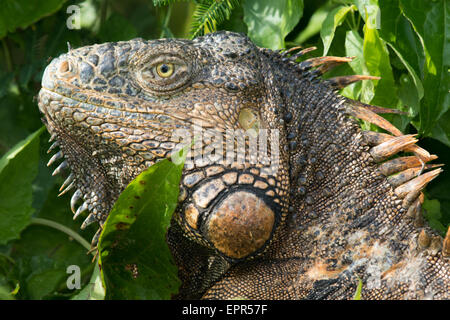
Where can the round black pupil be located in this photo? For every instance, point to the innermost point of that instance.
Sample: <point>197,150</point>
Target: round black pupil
<point>164,68</point>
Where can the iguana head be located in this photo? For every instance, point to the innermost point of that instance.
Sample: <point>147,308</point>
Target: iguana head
<point>115,109</point>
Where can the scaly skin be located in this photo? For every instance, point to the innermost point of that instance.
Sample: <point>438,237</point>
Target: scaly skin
<point>329,213</point>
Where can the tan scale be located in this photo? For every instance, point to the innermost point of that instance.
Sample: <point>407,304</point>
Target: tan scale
<point>230,178</point>
<point>246,179</point>
<point>207,192</point>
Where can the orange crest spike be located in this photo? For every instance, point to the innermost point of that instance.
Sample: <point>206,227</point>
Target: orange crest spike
<point>391,147</point>
<point>417,184</point>
<point>342,82</point>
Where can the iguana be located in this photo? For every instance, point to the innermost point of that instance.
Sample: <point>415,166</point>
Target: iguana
<point>339,204</point>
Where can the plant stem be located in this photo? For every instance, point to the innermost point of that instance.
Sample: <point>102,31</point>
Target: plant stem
<point>62,228</point>
<point>165,25</point>
<point>353,20</point>
<point>7,55</point>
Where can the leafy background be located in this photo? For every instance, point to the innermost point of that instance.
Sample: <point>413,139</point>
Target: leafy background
<point>406,42</point>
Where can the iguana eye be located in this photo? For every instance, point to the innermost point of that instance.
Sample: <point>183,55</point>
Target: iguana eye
<point>165,70</point>
<point>161,72</point>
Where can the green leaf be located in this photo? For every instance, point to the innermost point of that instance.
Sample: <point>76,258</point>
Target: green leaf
<point>135,260</point>
<point>408,94</point>
<point>22,13</point>
<point>413,74</point>
<point>399,33</point>
<point>314,24</point>
<point>441,131</point>
<point>332,21</point>
<point>44,277</point>
<point>376,58</point>
<point>236,21</point>
<point>369,11</point>
<point>431,21</point>
<point>94,290</point>
<point>18,168</point>
<point>397,21</point>
<point>433,215</point>
<point>354,48</point>
<point>269,22</point>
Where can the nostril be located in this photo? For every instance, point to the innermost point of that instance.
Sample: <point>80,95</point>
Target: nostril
<point>65,67</point>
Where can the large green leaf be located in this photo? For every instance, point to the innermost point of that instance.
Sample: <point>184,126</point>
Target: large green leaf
<point>354,48</point>
<point>433,215</point>
<point>22,13</point>
<point>409,95</point>
<point>269,22</point>
<point>332,21</point>
<point>441,130</point>
<point>377,61</point>
<point>314,24</point>
<point>369,10</point>
<point>398,32</point>
<point>135,260</point>
<point>431,21</point>
<point>18,168</point>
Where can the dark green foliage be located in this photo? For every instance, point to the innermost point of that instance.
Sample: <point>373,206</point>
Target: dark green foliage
<point>406,42</point>
<point>22,13</point>
<point>18,168</point>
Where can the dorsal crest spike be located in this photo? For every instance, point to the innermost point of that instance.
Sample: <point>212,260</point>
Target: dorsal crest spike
<point>375,109</point>
<point>301,53</point>
<point>343,81</point>
<point>290,50</point>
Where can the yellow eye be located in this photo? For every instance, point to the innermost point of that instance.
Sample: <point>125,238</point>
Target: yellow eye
<point>164,70</point>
